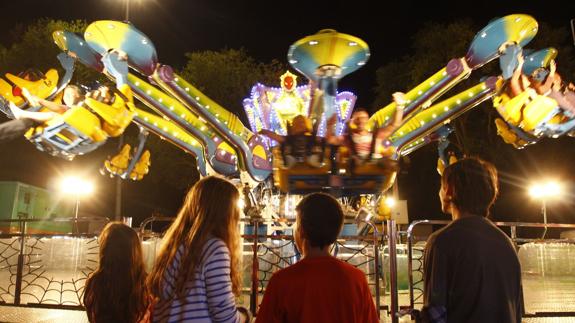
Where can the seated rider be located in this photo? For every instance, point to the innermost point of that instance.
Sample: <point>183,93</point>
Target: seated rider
<point>362,143</point>
<point>551,86</point>
<point>299,144</point>
<point>73,96</point>
<point>24,120</point>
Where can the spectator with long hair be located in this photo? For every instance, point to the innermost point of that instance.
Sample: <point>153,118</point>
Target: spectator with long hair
<point>197,273</point>
<point>116,291</point>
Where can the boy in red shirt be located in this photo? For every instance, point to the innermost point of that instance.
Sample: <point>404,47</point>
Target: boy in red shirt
<point>320,287</point>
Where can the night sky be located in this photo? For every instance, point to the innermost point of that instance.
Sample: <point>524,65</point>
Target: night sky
<point>266,29</point>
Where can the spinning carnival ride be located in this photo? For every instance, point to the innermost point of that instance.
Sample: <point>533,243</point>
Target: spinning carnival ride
<point>181,114</point>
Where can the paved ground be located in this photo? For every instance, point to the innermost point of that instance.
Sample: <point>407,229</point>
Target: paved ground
<point>13,314</point>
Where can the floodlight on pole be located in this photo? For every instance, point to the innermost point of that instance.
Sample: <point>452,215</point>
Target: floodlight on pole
<point>76,187</point>
<point>544,192</point>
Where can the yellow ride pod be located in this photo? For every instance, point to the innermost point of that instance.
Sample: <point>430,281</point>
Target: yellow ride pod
<point>511,109</point>
<point>539,110</point>
<point>6,92</point>
<point>300,177</point>
<point>142,167</point>
<point>83,121</point>
<point>119,163</point>
<point>509,137</point>
<point>42,88</point>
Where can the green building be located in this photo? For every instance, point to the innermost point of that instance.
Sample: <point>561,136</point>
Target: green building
<point>23,201</point>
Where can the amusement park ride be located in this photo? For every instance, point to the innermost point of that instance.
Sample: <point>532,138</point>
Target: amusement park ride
<point>182,115</point>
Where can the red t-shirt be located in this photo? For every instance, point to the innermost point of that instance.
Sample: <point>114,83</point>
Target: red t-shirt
<point>322,289</point>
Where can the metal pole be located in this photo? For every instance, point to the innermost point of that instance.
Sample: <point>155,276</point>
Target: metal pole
<point>392,241</point>
<point>544,211</point>
<point>127,10</point>
<point>76,211</point>
<point>514,236</point>
<point>77,208</point>
<point>573,29</point>
<point>118,209</point>
<point>255,269</point>
<point>410,266</point>
<point>20,267</point>
<point>376,263</point>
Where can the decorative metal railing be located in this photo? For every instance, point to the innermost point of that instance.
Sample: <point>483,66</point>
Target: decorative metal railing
<point>49,270</point>
<point>46,270</point>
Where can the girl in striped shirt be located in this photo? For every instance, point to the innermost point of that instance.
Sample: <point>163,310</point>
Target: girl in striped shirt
<point>197,274</point>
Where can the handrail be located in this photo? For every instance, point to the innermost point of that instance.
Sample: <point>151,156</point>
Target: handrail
<point>68,219</point>
<point>154,218</point>
<point>22,234</point>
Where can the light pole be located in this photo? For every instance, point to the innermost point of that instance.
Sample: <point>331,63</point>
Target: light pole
<point>127,10</point>
<point>76,187</point>
<point>544,192</point>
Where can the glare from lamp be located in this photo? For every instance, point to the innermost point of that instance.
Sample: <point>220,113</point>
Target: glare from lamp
<point>390,201</point>
<point>76,186</point>
<point>550,189</point>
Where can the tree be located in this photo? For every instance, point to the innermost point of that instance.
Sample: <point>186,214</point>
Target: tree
<point>228,75</point>
<point>33,47</point>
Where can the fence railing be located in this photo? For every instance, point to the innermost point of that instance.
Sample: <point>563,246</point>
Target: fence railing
<point>46,269</point>
<point>49,270</point>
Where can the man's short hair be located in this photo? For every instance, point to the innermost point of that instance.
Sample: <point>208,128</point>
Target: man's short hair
<point>356,110</point>
<point>321,218</point>
<point>473,183</point>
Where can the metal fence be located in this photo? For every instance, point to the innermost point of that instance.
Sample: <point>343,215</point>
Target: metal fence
<point>46,270</point>
<point>49,270</point>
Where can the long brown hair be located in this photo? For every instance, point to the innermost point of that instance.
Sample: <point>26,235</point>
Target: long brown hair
<point>116,291</point>
<point>210,209</point>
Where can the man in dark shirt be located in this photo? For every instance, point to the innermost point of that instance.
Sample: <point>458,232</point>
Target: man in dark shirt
<point>471,269</point>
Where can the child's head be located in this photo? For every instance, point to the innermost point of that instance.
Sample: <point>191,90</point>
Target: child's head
<point>300,125</point>
<point>211,207</point>
<point>117,288</point>
<point>319,221</point>
<point>210,210</point>
<point>72,95</point>
<point>119,246</point>
<point>359,119</point>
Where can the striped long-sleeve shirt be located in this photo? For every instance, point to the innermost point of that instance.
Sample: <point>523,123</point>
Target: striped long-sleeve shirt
<point>209,296</point>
